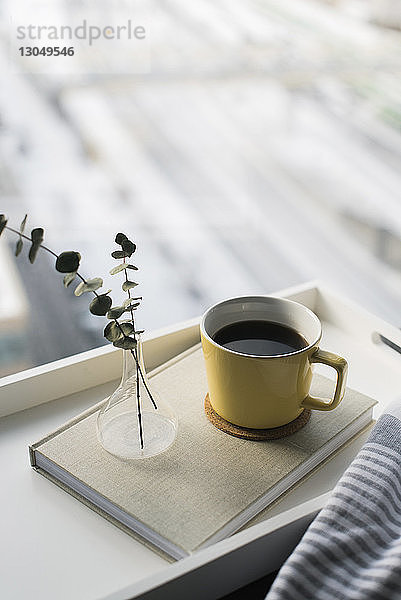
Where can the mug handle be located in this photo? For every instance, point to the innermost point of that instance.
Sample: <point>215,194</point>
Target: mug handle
<point>341,366</point>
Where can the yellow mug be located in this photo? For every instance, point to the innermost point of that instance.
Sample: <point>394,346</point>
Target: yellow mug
<point>264,391</point>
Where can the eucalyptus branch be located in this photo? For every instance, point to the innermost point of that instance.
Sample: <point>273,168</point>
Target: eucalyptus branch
<point>43,247</point>
<point>29,240</point>
<point>129,296</point>
<point>135,356</point>
<point>68,263</point>
<point>120,333</point>
<point>138,404</point>
<point>123,335</point>
<point>134,351</point>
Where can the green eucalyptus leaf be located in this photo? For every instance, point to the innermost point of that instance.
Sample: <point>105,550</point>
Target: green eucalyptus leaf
<point>20,242</point>
<point>3,223</point>
<point>128,246</point>
<point>68,262</point>
<point>126,343</point>
<point>128,285</point>
<point>80,289</point>
<point>119,254</point>
<point>69,278</point>
<point>112,332</point>
<point>118,269</point>
<point>120,237</point>
<point>115,312</point>
<point>127,327</point>
<point>88,286</point>
<point>122,267</point>
<point>18,247</point>
<point>94,284</point>
<point>133,306</point>
<point>37,235</point>
<point>33,251</point>
<point>128,301</point>
<point>23,223</point>
<point>100,305</point>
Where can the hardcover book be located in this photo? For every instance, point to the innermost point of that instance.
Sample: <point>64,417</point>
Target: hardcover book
<point>208,484</point>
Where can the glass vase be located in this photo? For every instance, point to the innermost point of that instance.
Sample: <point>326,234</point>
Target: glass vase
<point>135,422</point>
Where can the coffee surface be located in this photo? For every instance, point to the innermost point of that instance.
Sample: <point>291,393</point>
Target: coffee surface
<point>263,338</point>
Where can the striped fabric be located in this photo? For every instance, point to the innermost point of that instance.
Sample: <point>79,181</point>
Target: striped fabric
<point>352,550</point>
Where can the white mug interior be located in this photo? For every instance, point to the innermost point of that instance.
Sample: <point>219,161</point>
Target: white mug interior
<point>265,308</point>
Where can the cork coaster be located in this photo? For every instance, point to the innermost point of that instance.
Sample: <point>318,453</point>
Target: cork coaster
<point>258,435</point>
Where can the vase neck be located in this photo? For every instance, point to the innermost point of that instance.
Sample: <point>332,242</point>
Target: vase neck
<point>130,360</point>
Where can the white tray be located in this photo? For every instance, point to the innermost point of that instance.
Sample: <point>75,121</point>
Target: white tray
<point>56,547</point>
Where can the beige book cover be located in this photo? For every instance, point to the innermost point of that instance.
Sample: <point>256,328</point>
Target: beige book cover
<point>207,484</point>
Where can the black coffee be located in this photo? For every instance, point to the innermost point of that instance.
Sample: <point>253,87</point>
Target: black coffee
<point>263,338</point>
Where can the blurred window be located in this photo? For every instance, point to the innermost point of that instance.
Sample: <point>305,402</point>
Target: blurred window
<point>260,149</point>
